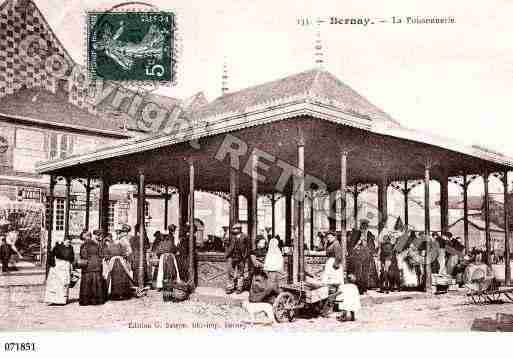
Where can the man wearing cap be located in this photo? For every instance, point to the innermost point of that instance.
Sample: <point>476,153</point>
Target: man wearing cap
<point>236,256</point>
<point>123,235</point>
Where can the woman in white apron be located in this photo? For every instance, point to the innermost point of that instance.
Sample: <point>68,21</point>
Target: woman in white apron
<point>59,276</point>
<point>349,299</point>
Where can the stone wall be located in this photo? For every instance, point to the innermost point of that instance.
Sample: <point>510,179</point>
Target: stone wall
<point>212,270</point>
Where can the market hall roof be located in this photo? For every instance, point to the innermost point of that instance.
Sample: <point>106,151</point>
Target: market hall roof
<point>45,108</point>
<point>313,84</point>
<point>268,119</point>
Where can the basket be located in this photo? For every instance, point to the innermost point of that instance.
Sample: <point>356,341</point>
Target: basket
<point>175,290</point>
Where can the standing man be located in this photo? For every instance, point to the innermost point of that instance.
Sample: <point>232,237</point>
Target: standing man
<point>236,256</point>
<point>12,239</point>
<point>171,232</point>
<point>5,255</point>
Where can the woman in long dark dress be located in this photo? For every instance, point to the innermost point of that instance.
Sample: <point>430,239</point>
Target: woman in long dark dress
<point>92,287</point>
<point>119,276</point>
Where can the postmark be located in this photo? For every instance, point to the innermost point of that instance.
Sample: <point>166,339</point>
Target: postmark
<point>131,46</point>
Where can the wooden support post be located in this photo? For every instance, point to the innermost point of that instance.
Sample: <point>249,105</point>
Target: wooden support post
<point>254,201</point>
<point>67,205</point>
<point>103,211</point>
<point>288,230</point>
<point>343,194</point>
<point>288,218</point>
<point>193,274</point>
<point>465,215</point>
<point>406,193</point>
<point>312,220</point>
<point>507,260</point>
<point>234,199</point>
<point>183,203</point>
<point>249,222</point>
<point>49,221</point>
<point>273,215</point>
<point>141,198</point>
<point>332,213</point>
<point>355,204</point>
<point>427,229</point>
<point>382,204</point>
<point>166,206</point>
<point>301,210</point>
<point>486,177</point>
<point>444,203</point>
<point>88,203</point>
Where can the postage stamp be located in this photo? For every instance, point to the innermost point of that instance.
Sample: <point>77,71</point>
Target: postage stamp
<point>131,46</point>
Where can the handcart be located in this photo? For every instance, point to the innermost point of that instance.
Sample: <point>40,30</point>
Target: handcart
<point>486,289</point>
<point>302,295</point>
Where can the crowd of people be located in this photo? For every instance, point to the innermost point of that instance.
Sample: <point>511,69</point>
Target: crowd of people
<point>109,265</point>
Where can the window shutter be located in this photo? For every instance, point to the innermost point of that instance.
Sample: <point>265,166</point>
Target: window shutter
<point>64,146</point>
<point>53,145</point>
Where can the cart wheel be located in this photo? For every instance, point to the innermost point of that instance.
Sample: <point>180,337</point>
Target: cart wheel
<point>284,307</point>
<point>478,298</point>
<point>509,296</point>
<point>493,297</point>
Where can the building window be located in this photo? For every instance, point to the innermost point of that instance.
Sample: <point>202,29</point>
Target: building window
<point>53,146</point>
<point>147,217</point>
<point>60,146</point>
<point>59,214</point>
<point>112,205</point>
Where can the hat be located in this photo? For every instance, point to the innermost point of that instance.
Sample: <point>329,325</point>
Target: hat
<point>171,227</point>
<point>364,221</point>
<point>98,232</point>
<point>237,226</point>
<point>399,226</point>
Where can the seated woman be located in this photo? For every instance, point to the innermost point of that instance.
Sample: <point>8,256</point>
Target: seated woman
<point>261,296</point>
<point>117,272</point>
<point>59,276</point>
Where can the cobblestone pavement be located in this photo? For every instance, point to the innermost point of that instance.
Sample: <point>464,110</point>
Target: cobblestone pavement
<point>22,308</point>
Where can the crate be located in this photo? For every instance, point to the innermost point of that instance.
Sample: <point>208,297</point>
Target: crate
<point>316,295</point>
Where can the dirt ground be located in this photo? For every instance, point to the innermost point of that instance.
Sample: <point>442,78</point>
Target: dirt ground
<point>22,308</point>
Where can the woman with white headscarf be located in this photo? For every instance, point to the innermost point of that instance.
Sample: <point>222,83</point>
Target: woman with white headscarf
<point>273,262</point>
<point>349,299</point>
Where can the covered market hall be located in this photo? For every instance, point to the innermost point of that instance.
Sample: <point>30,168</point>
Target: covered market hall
<point>305,133</point>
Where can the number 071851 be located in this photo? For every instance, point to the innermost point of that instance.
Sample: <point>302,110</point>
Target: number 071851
<point>20,347</point>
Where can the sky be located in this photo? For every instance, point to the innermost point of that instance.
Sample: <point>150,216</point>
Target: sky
<point>454,80</point>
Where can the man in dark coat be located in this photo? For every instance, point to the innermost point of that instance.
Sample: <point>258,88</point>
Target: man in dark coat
<point>236,256</point>
<point>361,262</point>
<point>389,275</point>
<point>5,255</point>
